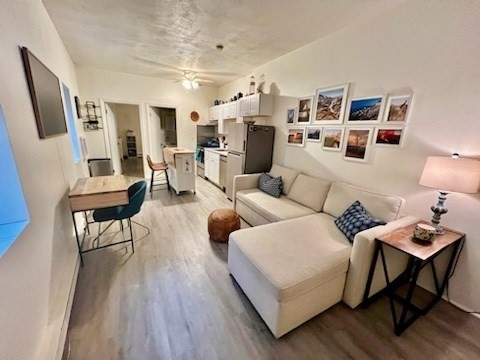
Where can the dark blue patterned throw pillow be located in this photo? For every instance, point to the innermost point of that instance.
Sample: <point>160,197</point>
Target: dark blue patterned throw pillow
<point>356,219</point>
<point>270,185</point>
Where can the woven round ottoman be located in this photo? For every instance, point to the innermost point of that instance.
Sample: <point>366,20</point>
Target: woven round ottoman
<point>221,223</point>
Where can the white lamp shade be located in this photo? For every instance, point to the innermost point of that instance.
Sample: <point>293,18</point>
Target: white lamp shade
<point>449,174</point>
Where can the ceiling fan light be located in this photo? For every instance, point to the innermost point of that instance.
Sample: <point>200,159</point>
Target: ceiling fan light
<point>186,84</point>
<point>194,84</point>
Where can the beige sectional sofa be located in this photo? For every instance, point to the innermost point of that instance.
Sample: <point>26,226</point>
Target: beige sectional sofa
<point>294,263</point>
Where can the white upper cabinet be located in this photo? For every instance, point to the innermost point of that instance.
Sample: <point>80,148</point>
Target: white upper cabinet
<point>223,114</point>
<point>256,105</point>
<point>230,110</point>
<point>214,113</point>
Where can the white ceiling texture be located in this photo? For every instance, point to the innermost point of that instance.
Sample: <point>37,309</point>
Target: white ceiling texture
<point>162,38</point>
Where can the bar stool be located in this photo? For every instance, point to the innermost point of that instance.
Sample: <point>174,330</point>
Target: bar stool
<point>158,167</point>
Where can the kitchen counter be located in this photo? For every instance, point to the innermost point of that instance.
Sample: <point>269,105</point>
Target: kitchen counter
<point>181,168</point>
<point>216,166</point>
<point>171,152</point>
<point>221,152</point>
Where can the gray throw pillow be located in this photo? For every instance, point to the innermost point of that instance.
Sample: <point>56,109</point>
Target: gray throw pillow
<point>270,185</point>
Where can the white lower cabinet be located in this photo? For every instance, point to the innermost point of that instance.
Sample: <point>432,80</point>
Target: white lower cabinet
<point>212,167</point>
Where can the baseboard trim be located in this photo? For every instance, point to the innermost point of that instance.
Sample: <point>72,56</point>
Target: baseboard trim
<point>461,307</point>
<point>68,311</point>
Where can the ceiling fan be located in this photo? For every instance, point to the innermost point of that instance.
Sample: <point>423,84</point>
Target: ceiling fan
<point>180,75</point>
<point>190,80</point>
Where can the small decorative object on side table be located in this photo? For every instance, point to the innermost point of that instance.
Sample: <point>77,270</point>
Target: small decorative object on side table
<point>421,253</point>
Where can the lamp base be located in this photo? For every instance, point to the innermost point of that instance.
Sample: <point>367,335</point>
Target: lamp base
<point>439,231</point>
<point>438,210</point>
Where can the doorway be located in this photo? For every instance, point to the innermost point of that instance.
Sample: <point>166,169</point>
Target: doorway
<point>163,125</point>
<point>125,136</point>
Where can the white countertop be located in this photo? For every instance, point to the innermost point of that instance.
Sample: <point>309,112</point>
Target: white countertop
<point>222,152</point>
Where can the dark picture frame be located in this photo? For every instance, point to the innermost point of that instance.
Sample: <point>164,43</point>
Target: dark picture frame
<point>45,95</point>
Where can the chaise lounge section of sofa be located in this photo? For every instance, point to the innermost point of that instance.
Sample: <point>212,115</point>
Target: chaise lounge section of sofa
<point>294,263</point>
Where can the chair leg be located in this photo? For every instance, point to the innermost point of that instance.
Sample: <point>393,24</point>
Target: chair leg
<point>168,182</point>
<point>99,233</point>
<point>145,227</point>
<point>131,233</point>
<point>87,227</point>
<point>123,234</point>
<point>151,184</point>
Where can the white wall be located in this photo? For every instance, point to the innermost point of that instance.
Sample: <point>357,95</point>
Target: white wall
<point>431,47</point>
<point>96,84</point>
<point>36,273</point>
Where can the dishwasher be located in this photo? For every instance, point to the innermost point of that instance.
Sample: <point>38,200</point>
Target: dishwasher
<point>223,171</point>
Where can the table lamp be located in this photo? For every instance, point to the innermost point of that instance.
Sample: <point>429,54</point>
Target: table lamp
<point>449,174</point>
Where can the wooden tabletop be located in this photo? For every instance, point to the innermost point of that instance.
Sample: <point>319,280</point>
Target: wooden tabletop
<point>99,184</point>
<point>178,150</point>
<point>98,192</point>
<point>403,240</point>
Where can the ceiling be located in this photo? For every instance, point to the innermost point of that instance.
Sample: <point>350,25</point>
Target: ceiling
<point>161,38</point>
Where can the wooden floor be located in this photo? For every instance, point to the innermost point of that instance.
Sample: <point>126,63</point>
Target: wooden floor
<point>174,299</point>
<point>132,166</point>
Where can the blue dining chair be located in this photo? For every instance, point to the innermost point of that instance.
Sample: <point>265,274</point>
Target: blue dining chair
<point>136,196</point>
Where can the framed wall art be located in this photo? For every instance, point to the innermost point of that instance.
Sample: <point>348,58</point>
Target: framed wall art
<point>314,133</point>
<point>366,110</point>
<point>330,105</point>
<point>46,96</point>
<point>391,136</point>
<point>332,139</point>
<point>304,110</point>
<point>397,109</point>
<point>291,116</point>
<point>296,136</point>
<point>357,144</point>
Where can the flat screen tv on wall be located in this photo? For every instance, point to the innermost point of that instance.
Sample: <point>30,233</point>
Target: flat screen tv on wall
<point>46,96</point>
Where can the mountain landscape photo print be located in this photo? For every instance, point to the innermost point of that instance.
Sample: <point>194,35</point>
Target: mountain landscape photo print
<point>332,138</point>
<point>330,104</point>
<point>397,108</point>
<point>366,109</point>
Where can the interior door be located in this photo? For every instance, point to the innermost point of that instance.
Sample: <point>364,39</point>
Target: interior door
<point>113,139</point>
<point>157,135</point>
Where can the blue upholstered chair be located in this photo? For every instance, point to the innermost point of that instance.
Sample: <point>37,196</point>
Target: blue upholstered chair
<point>136,196</point>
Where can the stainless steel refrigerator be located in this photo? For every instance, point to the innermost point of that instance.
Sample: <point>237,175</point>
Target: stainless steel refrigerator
<point>250,149</point>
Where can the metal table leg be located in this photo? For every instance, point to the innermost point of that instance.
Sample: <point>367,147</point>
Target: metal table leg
<point>77,238</point>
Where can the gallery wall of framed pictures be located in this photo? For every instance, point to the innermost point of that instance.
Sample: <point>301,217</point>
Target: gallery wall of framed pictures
<point>349,125</point>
